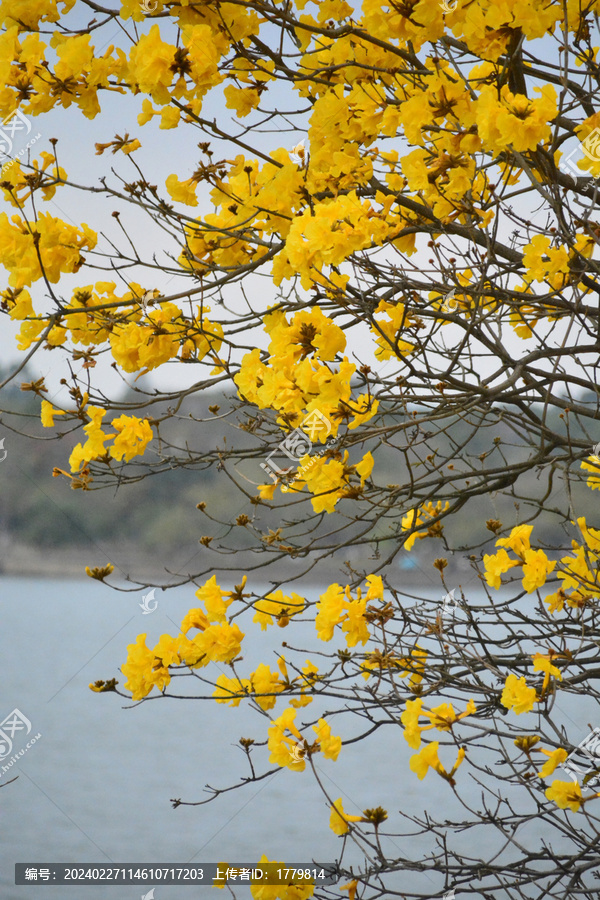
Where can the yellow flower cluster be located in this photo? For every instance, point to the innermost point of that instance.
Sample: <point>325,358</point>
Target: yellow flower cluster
<point>535,564</point>
<point>290,752</point>
<point>578,571</point>
<point>264,685</point>
<point>58,245</point>
<point>413,665</point>
<point>276,606</point>
<point>131,438</point>
<point>427,758</point>
<point>295,379</point>
<point>337,606</point>
<point>220,642</point>
<point>417,517</point>
<point>440,717</point>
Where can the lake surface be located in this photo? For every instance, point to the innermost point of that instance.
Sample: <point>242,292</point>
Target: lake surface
<point>95,788</point>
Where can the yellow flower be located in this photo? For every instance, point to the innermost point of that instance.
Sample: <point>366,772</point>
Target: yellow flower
<point>150,64</point>
<point>266,491</point>
<point>424,760</point>
<point>142,670</point>
<point>513,119</point>
<point>419,516</point>
<point>48,412</point>
<point>592,464</point>
<point>518,540</point>
<point>339,819</point>
<point>308,678</point>
<point>214,600</point>
<point>285,751</point>
<point>556,601</point>
<point>203,55</point>
<point>195,618</point>
<point>516,695</point>
<point>536,568</point>
<point>330,610</point>
<point>441,717</point>
<point>231,690</point>
<point>555,758</point>
<point>354,624</point>
<point>166,650</point>
<point>428,758</point>
<point>543,663</point>
<point>565,793</point>
<point>267,683</point>
<point>365,467</point>
<point>94,446</point>
<point>243,100</point>
<point>133,436</point>
<point>350,887</point>
<point>366,409</point>
<point>496,565</point>
<point>329,744</point>
<point>219,643</point>
<point>310,333</point>
<point>410,720</point>
<point>182,191</point>
<point>375,583</point>
<point>415,665</point>
<point>279,606</point>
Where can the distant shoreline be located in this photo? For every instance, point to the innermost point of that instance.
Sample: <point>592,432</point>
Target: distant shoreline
<point>22,561</point>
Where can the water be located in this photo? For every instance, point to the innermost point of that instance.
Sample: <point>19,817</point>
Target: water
<point>96,787</point>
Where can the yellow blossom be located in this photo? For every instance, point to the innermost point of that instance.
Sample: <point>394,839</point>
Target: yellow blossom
<point>231,690</point>
<point>536,569</point>
<point>48,412</point>
<point>329,745</point>
<point>565,794</point>
<point>339,819</point>
<point>266,683</point>
<point>284,750</point>
<point>277,606</point>
<point>214,600</point>
<point>132,438</point>
<point>496,565</point>
<point>555,758</point>
<point>518,540</point>
<point>516,695</point>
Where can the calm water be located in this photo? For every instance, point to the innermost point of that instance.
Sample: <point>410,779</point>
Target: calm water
<point>96,786</point>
